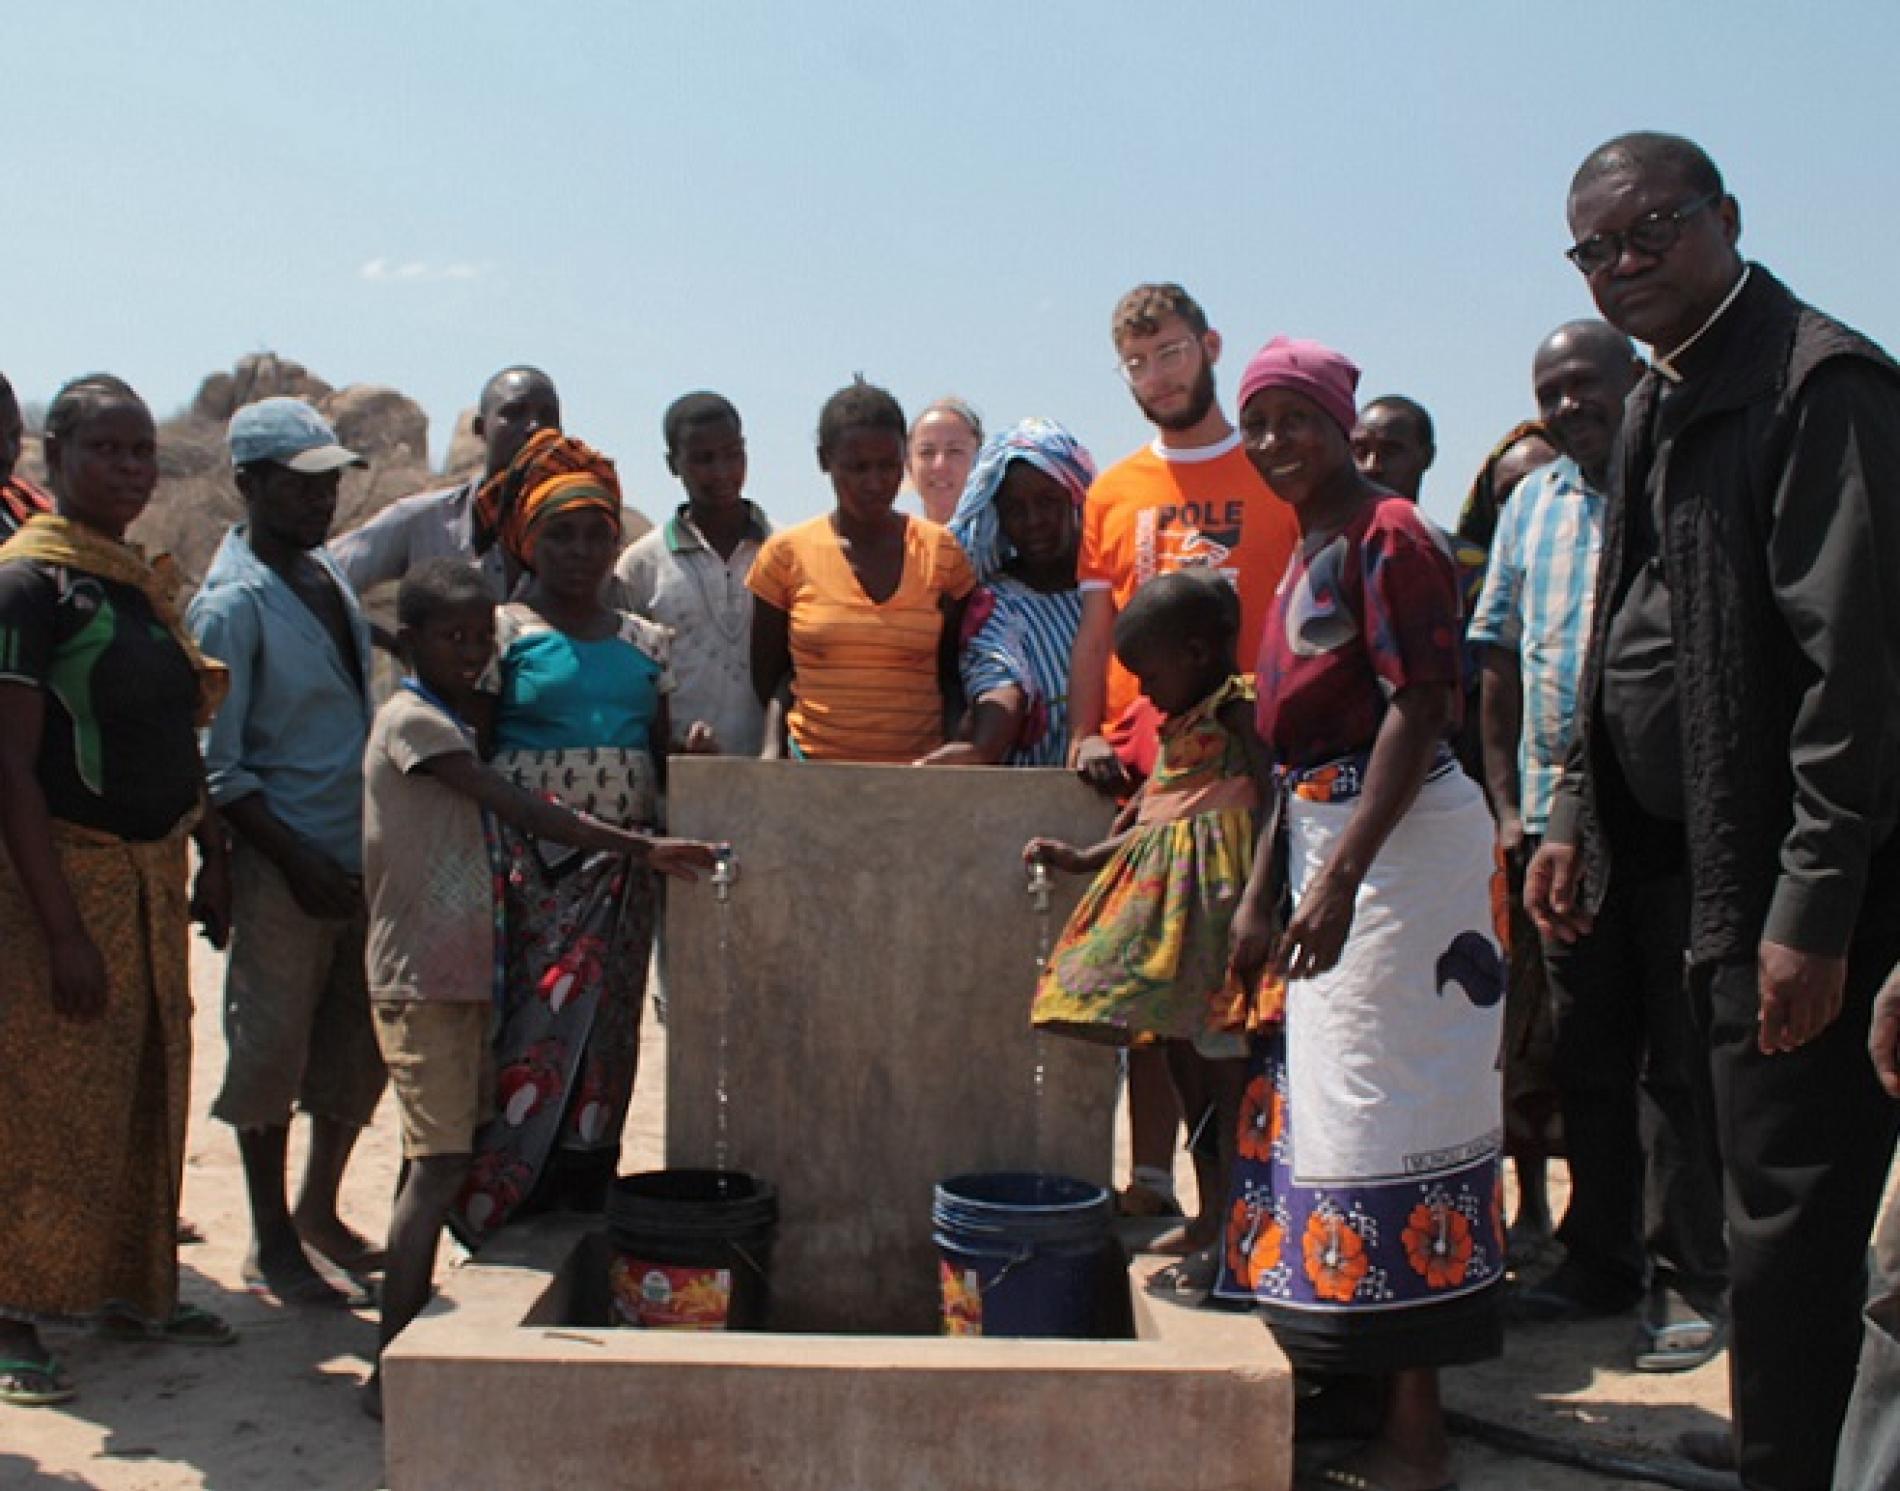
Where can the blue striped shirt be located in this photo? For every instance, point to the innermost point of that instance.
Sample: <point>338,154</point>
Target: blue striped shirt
<point>1026,641</point>
<point>1536,602</point>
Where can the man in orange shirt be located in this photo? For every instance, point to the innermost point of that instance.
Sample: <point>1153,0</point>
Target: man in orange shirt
<point>1189,498</point>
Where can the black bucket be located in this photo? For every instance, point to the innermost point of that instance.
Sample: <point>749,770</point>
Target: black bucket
<point>692,1249</point>
<point>1020,1254</point>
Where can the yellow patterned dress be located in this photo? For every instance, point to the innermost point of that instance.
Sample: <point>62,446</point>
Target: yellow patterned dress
<point>1144,957</point>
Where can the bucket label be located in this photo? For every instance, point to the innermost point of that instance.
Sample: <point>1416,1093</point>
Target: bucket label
<point>661,1296</point>
<point>962,1300</point>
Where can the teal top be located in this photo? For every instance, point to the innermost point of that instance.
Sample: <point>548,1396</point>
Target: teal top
<point>558,693</point>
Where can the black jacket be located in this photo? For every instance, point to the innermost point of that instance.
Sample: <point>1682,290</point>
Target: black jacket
<point>1775,471</point>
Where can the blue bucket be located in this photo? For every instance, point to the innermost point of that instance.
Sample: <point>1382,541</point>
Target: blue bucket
<point>1020,1254</point>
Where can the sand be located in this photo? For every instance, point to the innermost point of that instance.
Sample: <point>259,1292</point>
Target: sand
<point>279,1410</point>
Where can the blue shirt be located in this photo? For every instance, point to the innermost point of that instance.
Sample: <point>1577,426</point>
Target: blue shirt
<point>298,715</point>
<point>558,693</point>
<point>1025,640</point>
<point>1536,602</point>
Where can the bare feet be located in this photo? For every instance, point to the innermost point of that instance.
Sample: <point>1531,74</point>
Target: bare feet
<point>348,1249</point>
<point>281,1268</point>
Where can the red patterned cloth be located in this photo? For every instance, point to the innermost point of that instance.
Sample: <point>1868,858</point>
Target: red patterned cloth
<point>20,500</point>
<point>1359,616</point>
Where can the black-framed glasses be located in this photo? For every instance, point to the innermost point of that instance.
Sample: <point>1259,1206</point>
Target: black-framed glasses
<point>1653,234</point>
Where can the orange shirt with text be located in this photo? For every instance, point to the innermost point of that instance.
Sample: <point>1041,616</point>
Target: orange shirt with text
<point>1158,512</point>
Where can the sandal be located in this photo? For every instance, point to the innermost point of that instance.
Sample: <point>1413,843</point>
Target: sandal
<point>1351,1480</point>
<point>1138,1200</point>
<point>188,1326</point>
<point>26,1384</point>
<point>1680,1346</point>
<point>1190,1281</point>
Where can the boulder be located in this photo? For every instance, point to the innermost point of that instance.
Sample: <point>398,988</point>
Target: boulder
<point>378,423</point>
<point>259,375</point>
<point>466,454</point>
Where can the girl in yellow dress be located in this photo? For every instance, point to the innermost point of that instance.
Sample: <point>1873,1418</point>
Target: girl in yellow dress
<point>1145,956</point>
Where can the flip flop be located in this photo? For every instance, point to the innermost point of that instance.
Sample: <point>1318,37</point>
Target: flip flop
<point>1187,1282</point>
<point>1138,1200</point>
<point>188,1326</point>
<point>1681,1346</point>
<point>27,1384</point>
<point>1337,1476</point>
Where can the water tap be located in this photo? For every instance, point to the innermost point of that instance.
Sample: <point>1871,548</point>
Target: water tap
<point>725,871</point>
<point>1041,887</point>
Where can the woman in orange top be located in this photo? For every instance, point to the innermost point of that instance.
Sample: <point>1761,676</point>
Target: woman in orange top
<point>858,611</point>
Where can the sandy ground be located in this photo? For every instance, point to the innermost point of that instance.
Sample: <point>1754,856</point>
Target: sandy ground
<point>279,1410</point>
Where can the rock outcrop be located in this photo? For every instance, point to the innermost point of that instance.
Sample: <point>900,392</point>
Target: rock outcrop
<point>197,499</point>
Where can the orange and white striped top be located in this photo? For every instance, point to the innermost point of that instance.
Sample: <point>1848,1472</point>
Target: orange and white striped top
<point>865,683</point>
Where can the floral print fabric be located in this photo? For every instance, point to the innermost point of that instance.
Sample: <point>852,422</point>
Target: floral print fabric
<point>1144,955</point>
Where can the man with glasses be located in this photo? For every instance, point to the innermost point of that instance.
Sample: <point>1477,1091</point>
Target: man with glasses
<point>1190,498</point>
<point>1645,1213</point>
<point>1740,705</point>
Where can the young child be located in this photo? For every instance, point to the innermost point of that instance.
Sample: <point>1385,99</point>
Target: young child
<point>432,901</point>
<point>1144,959</point>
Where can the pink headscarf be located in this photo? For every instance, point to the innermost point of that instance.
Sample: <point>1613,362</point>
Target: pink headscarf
<point>1326,377</point>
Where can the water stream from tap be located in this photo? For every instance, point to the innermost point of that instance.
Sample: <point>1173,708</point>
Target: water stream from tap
<point>1041,895</point>
<point>724,873</point>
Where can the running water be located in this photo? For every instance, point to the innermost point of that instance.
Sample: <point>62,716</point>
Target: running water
<point>724,873</point>
<point>1041,896</point>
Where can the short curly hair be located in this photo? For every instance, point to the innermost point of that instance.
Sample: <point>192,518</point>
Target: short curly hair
<point>1141,311</point>
<point>858,406</point>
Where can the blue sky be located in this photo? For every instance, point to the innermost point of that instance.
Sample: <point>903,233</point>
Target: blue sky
<point>764,199</point>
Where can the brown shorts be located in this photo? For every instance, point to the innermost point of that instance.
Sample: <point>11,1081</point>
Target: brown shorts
<point>443,1069</point>
<point>296,1008</point>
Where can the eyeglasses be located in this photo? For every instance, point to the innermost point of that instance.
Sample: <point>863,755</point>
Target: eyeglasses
<point>1171,357</point>
<point>1654,235</point>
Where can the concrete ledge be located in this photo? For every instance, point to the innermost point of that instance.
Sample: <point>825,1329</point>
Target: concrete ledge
<point>1200,1401</point>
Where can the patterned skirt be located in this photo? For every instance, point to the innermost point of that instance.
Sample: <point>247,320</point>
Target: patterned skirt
<point>1365,1217</point>
<point>92,1113</point>
<point>1144,956</point>
<point>578,935</point>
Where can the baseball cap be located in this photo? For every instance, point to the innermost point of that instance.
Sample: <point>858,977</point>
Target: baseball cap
<point>289,432</point>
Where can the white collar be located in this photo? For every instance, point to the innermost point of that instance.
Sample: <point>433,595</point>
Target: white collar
<point>1184,455</point>
<point>1666,365</point>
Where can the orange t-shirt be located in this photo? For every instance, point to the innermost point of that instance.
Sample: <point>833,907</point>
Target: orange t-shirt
<point>1163,510</point>
<point>865,685</point>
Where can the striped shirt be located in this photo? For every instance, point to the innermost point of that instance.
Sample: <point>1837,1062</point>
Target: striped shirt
<point>1025,640</point>
<point>865,685</point>
<point>1536,602</point>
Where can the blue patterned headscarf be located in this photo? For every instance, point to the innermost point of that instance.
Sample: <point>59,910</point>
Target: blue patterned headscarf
<point>1046,446</point>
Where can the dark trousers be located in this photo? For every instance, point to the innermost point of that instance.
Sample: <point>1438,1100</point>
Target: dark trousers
<point>1646,1189</point>
<point>1807,1137</point>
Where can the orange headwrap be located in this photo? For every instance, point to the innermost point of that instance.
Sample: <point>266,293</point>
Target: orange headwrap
<point>1478,518</point>
<point>551,473</point>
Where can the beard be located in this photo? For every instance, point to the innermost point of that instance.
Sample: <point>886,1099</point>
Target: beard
<point>1200,400</point>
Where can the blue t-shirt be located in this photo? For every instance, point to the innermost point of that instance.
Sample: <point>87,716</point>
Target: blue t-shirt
<point>558,693</point>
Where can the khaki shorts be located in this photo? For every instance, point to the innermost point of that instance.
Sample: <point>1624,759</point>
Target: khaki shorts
<point>296,1008</point>
<point>443,1069</point>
